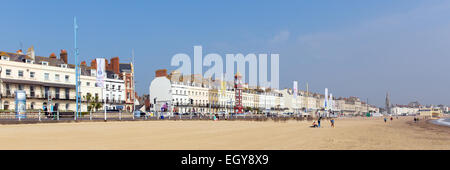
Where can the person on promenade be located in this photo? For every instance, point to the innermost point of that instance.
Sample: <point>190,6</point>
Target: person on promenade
<point>391,118</point>
<point>385,119</point>
<point>415,119</point>
<point>318,121</point>
<point>332,123</point>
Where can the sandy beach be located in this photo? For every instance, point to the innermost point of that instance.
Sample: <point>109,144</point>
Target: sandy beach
<point>349,133</point>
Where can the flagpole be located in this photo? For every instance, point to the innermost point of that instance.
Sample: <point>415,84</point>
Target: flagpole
<point>134,82</point>
<point>76,66</point>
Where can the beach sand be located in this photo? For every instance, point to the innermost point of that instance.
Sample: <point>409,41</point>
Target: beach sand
<point>349,133</point>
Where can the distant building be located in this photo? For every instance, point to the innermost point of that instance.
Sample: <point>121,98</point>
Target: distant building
<point>404,110</point>
<point>430,112</point>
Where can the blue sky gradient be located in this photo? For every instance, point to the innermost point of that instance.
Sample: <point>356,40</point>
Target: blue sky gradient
<point>353,47</point>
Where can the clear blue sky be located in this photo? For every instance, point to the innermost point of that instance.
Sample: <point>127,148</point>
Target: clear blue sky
<point>354,48</point>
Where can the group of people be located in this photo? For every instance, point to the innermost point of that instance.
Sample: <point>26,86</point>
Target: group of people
<point>416,119</point>
<point>385,119</point>
<point>317,125</point>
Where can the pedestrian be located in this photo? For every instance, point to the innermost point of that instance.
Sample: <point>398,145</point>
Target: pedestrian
<point>385,119</point>
<point>391,118</point>
<point>318,121</point>
<point>415,119</point>
<point>332,123</point>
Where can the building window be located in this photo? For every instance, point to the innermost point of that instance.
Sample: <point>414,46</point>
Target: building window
<point>20,73</point>
<point>107,86</point>
<point>8,72</point>
<point>118,87</point>
<point>20,87</point>
<point>8,90</point>
<point>32,74</point>
<point>5,58</point>
<point>56,92</point>
<point>46,76</point>
<point>67,78</point>
<point>32,105</point>
<point>67,93</point>
<point>46,89</point>
<point>45,63</point>
<point>56,77</point>
<point>6,105</point>
<point>88,84</point>
<point>67,106</point>
<point>112,87</point>
<point>31,91</point>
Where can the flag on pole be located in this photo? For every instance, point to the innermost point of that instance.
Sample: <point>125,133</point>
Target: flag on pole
<point>100,71</point>
<point>330,101</point>
<point>326,99</point>
<point>295,89</point>
<point>223,86</point>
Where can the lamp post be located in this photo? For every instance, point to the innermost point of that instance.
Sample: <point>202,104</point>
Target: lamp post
<point>1,92</point>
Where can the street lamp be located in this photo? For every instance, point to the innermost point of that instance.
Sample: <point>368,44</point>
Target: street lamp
<point>1,83</point>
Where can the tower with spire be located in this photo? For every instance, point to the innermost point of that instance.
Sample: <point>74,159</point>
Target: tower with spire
<point>388,104</point>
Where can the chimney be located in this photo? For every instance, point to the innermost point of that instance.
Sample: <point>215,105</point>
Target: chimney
<point>52,55</point>
<point>161,73</point>
<point>63,56</point>
<point>83,63</point>
<point>19,51</point>
<point>94,64</point>
<point>30,53</point>
<point>115,65</point>
<point>107,66</point>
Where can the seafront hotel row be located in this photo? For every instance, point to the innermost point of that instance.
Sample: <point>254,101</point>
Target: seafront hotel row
<point>195,94</point>
<point>51,80</point>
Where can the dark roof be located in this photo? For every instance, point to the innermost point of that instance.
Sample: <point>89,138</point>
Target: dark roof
<point>125,67</point>
<point>38,59</point>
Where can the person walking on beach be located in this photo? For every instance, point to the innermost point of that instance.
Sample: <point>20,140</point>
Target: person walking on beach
<point>391,118</point>
<point>332,123</point>
<point>385,119</point>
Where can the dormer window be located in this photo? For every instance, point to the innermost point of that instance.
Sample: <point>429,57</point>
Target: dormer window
<point>63,65</point>
<point>116,76</point>
<point>29,61</point>
<point>93,72</point>
<point>45,63</point>
<point>5,58</point>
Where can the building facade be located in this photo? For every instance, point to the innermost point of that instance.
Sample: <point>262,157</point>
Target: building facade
<point>51,81</point>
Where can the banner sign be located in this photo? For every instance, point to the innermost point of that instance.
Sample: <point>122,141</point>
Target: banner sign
<point>101,74</point>
<point>21,99</point>
<point>295,89</point>
<point>326,99</point>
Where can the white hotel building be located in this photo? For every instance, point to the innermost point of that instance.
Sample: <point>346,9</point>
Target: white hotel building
<point>51,80</point>
<point>206,96</point>
<point>193,94</point>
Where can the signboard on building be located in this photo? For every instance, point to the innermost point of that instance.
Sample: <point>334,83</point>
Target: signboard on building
<point>101,74</point>
<point>20,101</point>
